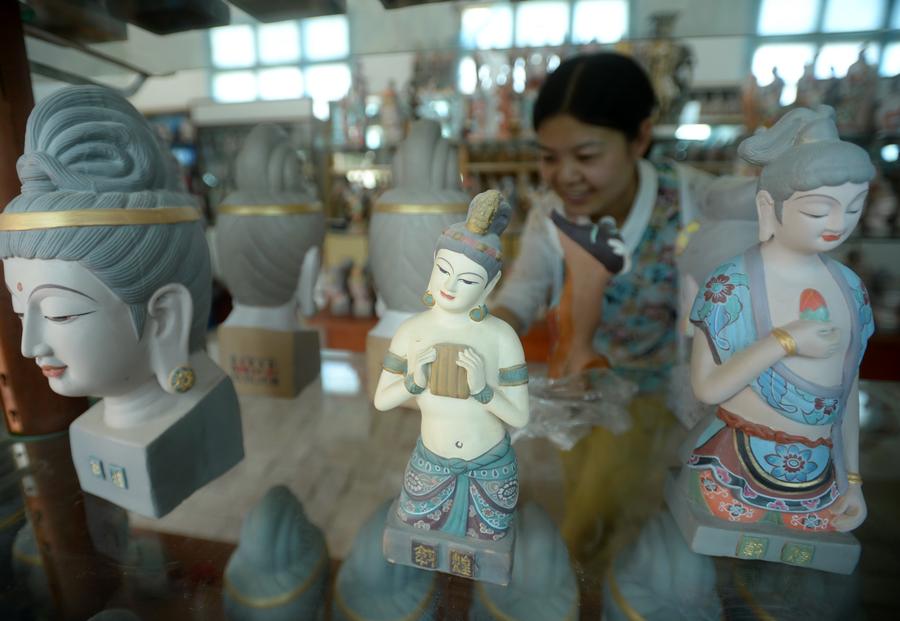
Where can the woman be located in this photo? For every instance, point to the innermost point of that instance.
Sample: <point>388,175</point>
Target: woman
<point>462,477</point>
<point>786,329</point>
<point>593,123</point>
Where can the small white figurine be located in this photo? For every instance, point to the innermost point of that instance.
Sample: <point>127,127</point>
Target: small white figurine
<point>108,267</point>
<point>466,370</point>
<point>269,234</point>
<point>774,474</point>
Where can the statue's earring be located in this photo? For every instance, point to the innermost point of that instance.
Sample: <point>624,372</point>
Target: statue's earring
<point>182,378</point>
<point>428,299</point>
<point>478,313</point>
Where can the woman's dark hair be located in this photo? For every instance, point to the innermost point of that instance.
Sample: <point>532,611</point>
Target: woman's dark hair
<point>605,89</point>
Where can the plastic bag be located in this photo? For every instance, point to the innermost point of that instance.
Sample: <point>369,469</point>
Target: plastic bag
<point>565,410</point>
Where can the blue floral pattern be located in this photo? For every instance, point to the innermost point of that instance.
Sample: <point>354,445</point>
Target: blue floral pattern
<point>791,462</point>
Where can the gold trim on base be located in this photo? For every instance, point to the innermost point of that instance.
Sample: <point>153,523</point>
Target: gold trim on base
<point>423,209</point>
<point>269,210</point>
<point>627,609</point>
<point>37,220</point>
<point>277,600</point>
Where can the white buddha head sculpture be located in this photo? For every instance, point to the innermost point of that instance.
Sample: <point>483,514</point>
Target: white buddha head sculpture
<point>104,252</point>
<point>270,230</point>
<point>468,258</point>
<point>812,186</point>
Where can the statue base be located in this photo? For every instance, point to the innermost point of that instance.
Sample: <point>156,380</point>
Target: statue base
<point>478,559</point>
<point>269,363</point>
<point>152,467</point>
<point>706,534</point>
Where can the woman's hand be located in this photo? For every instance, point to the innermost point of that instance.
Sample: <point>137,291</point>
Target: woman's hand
<point>473,363</point>
<point>850,509</point>
<point>420,361</point>
<point>815,339</point>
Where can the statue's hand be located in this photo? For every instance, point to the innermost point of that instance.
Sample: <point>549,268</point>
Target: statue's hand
<point>849,510</point>
<point>473,363</point>
<point>815,339</point>
<point>421,360</point>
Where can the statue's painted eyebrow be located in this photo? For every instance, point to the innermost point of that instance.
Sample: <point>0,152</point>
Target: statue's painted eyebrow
<point>52,286</point>
<point>476,275</point>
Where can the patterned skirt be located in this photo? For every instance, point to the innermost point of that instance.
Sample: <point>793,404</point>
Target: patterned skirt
<point>748,472</point>
<point>475,498</point>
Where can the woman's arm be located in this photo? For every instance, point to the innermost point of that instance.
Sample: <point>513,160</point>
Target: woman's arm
<point>527,285</point>
<point>392,390</point>
<point>850,509</point>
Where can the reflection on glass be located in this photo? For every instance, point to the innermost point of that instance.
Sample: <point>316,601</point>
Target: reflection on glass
<point>487,27</point>
<point>603,21</point>
<point>281,83</point>
<point>890,61</point>
<point>234,86</point>
<point>787,16</point>
<point>279,43</point>
<point>839,57</point>
<point>788,59</point>
<point>374,136</point>
<point>853,15</point>
<point>326,38</point>
<point>895,18</point>
<point>541,23</point>
<point>339,378</point>
<point>233,47</point>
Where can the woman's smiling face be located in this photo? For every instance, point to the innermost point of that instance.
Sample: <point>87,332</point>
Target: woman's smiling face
<point>590,167</point>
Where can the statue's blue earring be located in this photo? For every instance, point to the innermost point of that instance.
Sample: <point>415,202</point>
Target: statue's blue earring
<point>478,313</point>
<point>428,299</point>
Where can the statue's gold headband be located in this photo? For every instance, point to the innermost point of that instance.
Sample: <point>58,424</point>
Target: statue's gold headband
<point>269,210</point>
<point>36,220</point>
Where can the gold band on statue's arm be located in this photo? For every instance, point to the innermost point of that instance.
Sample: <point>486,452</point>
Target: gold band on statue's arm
<point>854,477</point>
<point>35,220</point>
<point>786,341</point>
<point>269,210</point>
<point>411,208</point>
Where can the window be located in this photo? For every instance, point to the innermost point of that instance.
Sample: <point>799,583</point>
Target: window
<point>890,62</point>
<point>282,60</point>
<point>487,27</point>
<point>781,17</point>
<point>788,60</point>
<point>603,21</point>
<point>541,23</point>
<point>853,15</point>
<point>839,56</point>
<point>233,47</point>
<point>326,38</point>
<point>279,43</point>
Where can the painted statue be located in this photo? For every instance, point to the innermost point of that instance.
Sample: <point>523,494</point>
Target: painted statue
<point>466,370</point>
<point>105,257</point>
<point>785,328</point>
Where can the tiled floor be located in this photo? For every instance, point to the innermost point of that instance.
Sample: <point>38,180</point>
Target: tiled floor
<point>340,456</point>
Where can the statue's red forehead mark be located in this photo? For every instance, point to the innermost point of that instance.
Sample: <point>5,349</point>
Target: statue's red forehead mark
<point>18,286</point>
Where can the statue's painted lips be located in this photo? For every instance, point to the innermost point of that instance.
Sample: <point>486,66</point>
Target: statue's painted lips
<point>448,296</point>
<point>829,237</point>
<point>50,371</point>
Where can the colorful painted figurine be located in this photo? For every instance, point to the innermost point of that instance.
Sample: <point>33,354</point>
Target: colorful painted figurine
<point>108,267</point>
<point>466,370</point>
<point>774,475</point>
